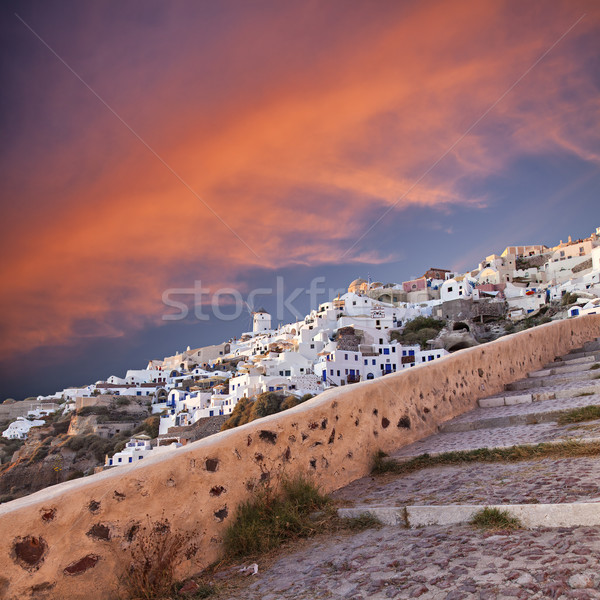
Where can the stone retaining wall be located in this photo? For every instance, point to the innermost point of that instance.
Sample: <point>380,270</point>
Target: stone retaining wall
<point>72,540</point>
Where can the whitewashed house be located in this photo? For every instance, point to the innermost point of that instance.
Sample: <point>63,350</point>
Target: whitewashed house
<point>136,449</point>
<point>19,429</point>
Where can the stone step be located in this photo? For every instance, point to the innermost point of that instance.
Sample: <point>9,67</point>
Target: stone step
<point>531,515</point>
<point>497,437</point>
<point>550,380</point>
<point>571,368</point>
<point>572,390</point>
<point>527,414</point>
<point>587,349</point>
<point>562,361</point>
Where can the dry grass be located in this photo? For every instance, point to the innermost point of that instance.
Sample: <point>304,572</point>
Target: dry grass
<point>577,415</point>
<point>511,454</point>
<point>297,509</point>
<point>494,519</point>
<point>156,550</point>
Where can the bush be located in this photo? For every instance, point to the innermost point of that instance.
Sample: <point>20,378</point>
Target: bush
<point>568,298</point>
<point>494,518</point>
<point>41,452</point>
<point>149,426</point>
<point>424,323</point>
<point>419,331</point>
<point>269,519</point>
<point>267,403</point>
<point>86,411</point>
<point>155,553</point>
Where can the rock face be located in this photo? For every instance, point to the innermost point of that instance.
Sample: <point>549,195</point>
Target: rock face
<point>28,474</point>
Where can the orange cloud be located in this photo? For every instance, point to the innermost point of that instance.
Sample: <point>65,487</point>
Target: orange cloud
<point>298,171</point>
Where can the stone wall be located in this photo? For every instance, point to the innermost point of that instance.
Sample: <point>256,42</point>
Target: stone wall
<point>72,540</point>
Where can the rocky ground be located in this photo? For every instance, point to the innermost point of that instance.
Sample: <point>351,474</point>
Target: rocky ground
<point>435,562</point>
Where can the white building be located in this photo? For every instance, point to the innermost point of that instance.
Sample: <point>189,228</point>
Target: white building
<point>19,429</point>
<point>136,449</point>
<point>456,288</point>
<point>261,321</point>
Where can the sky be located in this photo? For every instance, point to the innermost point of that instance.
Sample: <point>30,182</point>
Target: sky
<point>158,155</point>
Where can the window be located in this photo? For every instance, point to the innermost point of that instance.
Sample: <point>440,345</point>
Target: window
<point>393,348</point>
<point>366,362</point>
<point>450,288</point>
<point>356,357</point>
<point>331,371</point>
<point>312,346</point>
<point>338,373</point>
<point>345,357</point>
<point>386,350</point>
<point>374,362</point>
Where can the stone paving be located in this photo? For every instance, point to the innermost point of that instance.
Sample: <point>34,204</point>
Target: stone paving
<point>564,389</point>
<point>433,563</point>
<point>528,408</point>
<point>500,437</point>
<point>544,481</point>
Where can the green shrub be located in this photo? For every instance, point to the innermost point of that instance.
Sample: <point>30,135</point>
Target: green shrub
<point>149,426</point>
<point>86,411</point>
<point>267,403</point>
<point>269,519</point>
<point>419,331</point>
<point>494,518</point>
<point>577,415</point>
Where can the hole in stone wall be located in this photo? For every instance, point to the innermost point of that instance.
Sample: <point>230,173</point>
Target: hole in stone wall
<point>221,514</point>
<point>404,422</point>
<point>100,532</point>
<point>82,565</point>
<point>268,436</point>
<point>29,552</point>
<point>211,464</point>
<point>48,514</point>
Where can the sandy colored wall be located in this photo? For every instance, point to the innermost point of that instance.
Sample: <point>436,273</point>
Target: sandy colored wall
<point>72,540</point>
